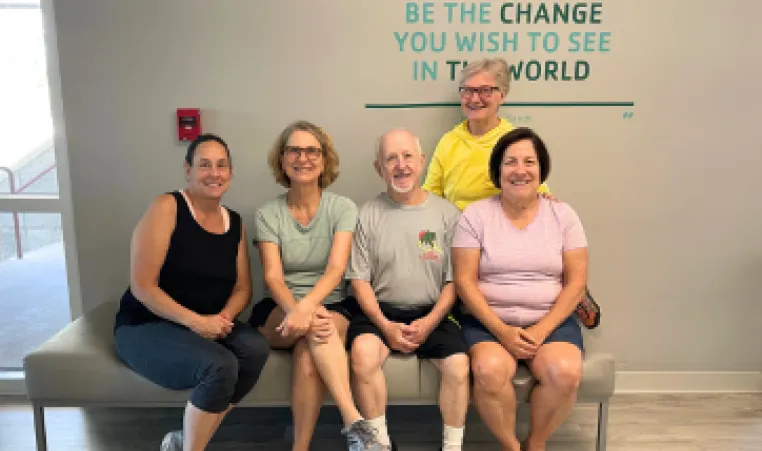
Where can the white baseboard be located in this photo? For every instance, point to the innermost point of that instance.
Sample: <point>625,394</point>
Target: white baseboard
<point>688,382</point>
<point>12,383</point>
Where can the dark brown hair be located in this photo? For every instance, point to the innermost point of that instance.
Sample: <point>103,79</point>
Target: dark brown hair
<point>512,137</point>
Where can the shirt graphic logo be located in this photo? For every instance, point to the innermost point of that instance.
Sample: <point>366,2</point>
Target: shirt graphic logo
<point>427,241</point>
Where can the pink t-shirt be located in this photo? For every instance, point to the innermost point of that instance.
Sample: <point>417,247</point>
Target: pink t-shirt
<point>520,271</point>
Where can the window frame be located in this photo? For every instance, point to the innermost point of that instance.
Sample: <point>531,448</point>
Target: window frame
<point>12,382</point>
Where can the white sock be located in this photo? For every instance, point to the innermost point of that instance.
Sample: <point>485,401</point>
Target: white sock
<point>379,424</point>
<point>452,439</point>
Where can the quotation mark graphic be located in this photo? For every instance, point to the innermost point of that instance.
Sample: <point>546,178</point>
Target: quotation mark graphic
<point>627,115</point>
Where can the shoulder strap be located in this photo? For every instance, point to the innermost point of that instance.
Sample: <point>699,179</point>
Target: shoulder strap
<point>235,223</point>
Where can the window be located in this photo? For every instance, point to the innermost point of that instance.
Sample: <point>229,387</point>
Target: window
<point>34,283</point>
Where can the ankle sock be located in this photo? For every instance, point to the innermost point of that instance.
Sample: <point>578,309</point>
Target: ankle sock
<point>452,438</point>
<point>379,424</point>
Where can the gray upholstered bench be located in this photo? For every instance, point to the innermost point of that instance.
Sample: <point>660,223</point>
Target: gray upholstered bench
<point>78,367</point>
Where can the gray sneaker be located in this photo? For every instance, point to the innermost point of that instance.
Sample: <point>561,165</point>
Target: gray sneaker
<point>173,441</point>
<point>361,436</point>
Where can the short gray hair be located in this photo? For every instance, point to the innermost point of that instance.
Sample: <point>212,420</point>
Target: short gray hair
<point>380,141</point>
<point>497,67</point>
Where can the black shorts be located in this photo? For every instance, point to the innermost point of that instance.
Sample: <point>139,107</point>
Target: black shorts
<point>445,340</point>
<point>263,308</point>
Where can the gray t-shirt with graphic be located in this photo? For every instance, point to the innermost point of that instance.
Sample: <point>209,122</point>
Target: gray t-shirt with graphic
<point>304,250</point>
<point>403,251</point>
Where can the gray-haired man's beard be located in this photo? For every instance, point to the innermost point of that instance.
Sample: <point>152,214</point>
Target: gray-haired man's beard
<point>400,190</point>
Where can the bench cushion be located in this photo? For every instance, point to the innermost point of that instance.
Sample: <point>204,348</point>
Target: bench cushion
<point>79,367</point>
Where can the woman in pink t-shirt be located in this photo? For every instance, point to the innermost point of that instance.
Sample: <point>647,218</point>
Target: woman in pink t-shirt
<point>520,269</point>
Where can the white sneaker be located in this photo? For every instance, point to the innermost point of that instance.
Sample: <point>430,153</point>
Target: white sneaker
<point>173,441</point>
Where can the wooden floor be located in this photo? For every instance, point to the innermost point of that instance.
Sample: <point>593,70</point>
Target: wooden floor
<point>637,423</point>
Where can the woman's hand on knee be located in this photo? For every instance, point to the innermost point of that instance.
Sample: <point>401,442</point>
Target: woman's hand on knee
<point>321,327</point>
<point>296,322</point>
<point>519,343</point>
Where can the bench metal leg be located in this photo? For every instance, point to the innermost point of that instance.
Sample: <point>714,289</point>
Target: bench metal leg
<point>603,422</point>
<point>39,427</point>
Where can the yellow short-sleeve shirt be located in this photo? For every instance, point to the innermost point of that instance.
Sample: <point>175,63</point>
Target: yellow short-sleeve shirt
<point>459,168</point>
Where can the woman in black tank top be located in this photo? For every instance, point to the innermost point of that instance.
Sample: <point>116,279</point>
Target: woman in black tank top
<point>189,280</point>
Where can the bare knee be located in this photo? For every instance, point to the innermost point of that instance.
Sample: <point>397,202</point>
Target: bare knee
<point>563,375</point>
<point>303,362</point>
<point>366,356</point>
<point>492,372</point>
<point>455,369</point>
<point>320,333</point>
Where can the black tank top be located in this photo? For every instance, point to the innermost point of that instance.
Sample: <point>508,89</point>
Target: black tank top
<point>199,271</point>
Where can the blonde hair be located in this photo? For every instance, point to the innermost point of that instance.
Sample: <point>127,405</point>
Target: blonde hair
<point>497,67</point>
<point>330,157</point>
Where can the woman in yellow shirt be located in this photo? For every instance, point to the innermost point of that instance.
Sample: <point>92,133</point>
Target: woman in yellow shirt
<point>458,168</point>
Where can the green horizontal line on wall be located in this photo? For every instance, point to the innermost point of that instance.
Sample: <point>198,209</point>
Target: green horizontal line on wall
<point>381,106</point>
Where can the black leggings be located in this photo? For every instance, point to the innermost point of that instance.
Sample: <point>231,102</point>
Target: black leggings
<point>220,372</point>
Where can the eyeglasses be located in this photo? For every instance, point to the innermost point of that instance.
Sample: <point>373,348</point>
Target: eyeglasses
<point>483,91</point>
<point>294,152</point>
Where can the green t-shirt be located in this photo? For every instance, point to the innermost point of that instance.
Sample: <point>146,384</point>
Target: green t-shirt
<point>304,250</point>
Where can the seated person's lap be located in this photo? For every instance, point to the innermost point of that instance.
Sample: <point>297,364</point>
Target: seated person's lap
<point>265,307</point>
<point>444,341</point>
<point>171,355</point>
<point>263,311</point>
<point>568,331</point>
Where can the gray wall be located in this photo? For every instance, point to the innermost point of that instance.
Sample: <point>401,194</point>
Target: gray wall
<point>669,198</point>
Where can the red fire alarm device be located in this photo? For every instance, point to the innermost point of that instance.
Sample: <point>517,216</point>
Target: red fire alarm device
<point>188,123</point>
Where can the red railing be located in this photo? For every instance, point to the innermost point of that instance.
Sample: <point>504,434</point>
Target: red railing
<point>12,186</point>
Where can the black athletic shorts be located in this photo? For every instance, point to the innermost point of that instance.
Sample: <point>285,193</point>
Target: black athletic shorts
<point>445,340</point>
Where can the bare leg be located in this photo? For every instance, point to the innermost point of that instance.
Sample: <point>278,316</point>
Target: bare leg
<point>330,359</point>
<point>306,387</point>
<point>222,416</point>
<point>199,427</point>
<point>453,391</point>
<point>558,369</point>
<point>368,356</point>
<point>453,399</point>
<point>495,399</point>
<point>307,392</point>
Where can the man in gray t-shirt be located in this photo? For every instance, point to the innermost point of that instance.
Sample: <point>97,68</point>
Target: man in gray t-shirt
<point>403,251</point>
<point>401,278</point>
